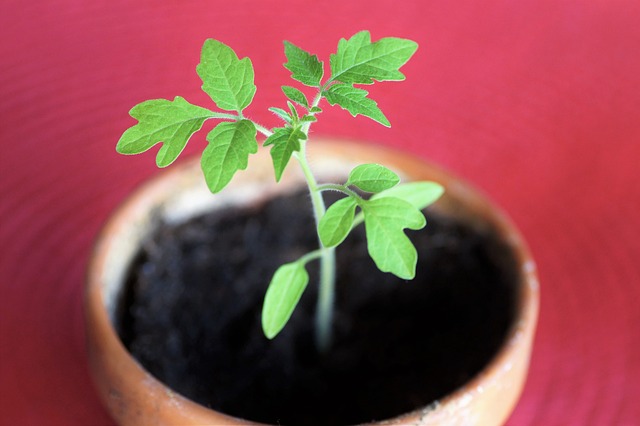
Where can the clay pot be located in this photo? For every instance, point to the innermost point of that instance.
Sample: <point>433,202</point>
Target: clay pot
<point>134,397</point>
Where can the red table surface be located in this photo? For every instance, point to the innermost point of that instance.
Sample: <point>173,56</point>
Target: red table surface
<point>537,102</point>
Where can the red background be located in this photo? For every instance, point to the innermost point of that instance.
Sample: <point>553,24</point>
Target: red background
<point>537,102</point>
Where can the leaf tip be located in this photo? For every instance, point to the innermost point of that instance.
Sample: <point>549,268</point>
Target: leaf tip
<point>161,163</point>
<point>269,332</point>
<point>438,191</point>
<point>121,146</point>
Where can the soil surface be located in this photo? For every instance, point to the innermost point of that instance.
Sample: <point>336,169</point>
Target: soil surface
<point>191,316</point>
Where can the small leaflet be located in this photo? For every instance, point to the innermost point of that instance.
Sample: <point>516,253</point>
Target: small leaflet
<point>162,121</point>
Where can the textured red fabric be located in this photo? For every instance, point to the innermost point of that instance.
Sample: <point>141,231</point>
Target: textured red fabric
<point>536,101</point>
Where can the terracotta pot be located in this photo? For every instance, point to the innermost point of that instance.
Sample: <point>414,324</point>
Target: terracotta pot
<point>134,397</point>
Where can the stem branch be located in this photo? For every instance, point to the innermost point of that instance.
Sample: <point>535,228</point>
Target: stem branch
<point>266,132</point>
<point>225,116</point>
<point>340,188</point>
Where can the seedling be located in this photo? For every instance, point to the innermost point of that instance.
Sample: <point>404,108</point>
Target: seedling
<point>388,208</point>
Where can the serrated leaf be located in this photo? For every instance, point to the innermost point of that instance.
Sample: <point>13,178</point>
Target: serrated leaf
<point>372,178</point>
<point>337,221</point>
<point>295,95</point>
<point>229,81</point>
<point>230,144</point>
<point>162,121</point>
<point>391,250</point>
<point>356,102</point>
<point>358,61</point>
<point>284,115</point>
<point>285,141</point>
<point>315,110</point>
<point>283,294</point>
<point>418,194</point>
<point>304,67</point>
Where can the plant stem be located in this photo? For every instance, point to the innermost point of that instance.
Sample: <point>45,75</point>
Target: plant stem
<point>266,132</point>
<point>326,296</point>
<point>340,188</point>
<point>326,291</point>
<point>324,307</point>
<point>225,116</point>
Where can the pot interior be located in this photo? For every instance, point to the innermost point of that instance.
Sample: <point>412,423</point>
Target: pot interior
<point>184,289</point>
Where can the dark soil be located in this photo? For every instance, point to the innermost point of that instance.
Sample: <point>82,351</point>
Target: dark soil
<point>191,316</point>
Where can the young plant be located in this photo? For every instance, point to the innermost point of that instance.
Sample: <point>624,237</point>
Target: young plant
<point>387,211</point>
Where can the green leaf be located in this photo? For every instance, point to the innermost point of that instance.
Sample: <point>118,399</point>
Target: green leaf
<point>360,61</point>
<point>294,111</point>
<point>283,294</point>
<point>295,95</point>
<point>336,223</point>
<point>315,110</point>
<point>230,144</point>
<point>391,250</point>
<point>304,67</point>
<point>418,194</point>
<point>225,78</point>
<point>285,141</point>
<point>161,120</point>
<point>284,115</point>
<point>372,178</point>
<point>356,102</point>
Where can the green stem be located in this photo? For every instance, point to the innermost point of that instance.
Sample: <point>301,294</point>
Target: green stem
<point>312,255</point>
<point>326,291</point>
<point>266,132</point>
<point>324,307</point>
<point>225,116</point>
<point>326,298</point>
<point>340,188</point>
